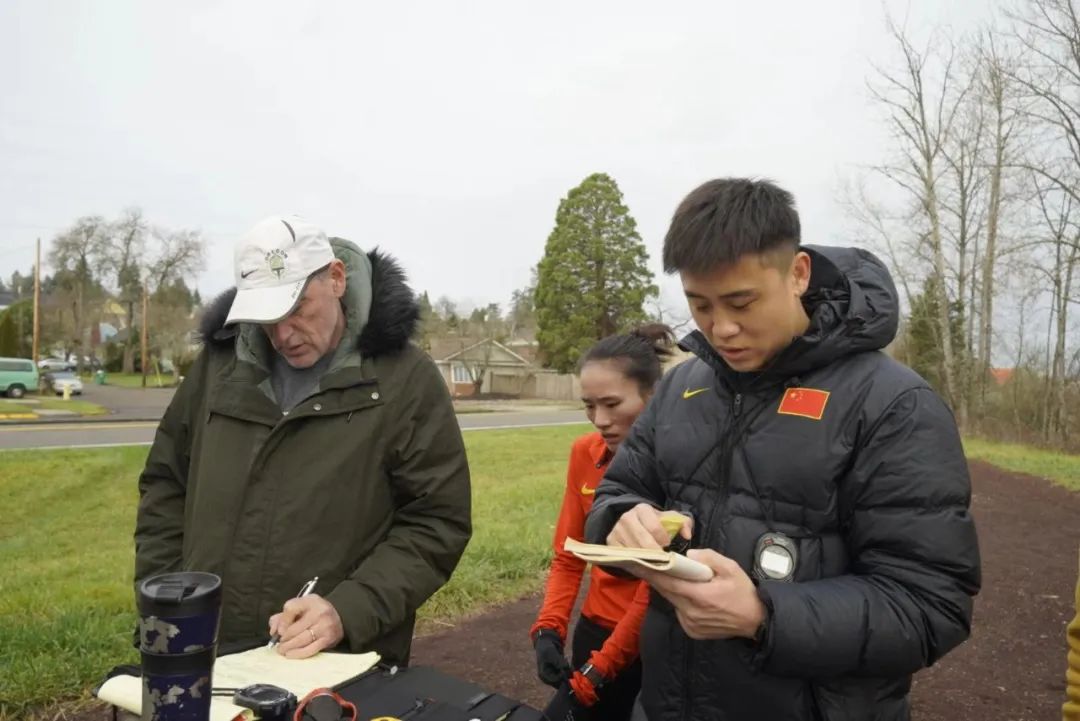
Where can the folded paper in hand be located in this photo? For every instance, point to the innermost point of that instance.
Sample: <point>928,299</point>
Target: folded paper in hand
<point>631,559</point>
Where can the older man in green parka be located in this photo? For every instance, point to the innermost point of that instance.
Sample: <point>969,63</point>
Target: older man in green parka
<point>310,438</point>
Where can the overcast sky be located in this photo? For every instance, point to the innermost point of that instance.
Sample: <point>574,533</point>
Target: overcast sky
<point>444,132</point>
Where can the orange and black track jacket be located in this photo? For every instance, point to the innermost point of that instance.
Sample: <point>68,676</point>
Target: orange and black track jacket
<point>612,602</point>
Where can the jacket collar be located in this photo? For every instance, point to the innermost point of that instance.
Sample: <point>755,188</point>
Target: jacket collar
<point>599,453</point>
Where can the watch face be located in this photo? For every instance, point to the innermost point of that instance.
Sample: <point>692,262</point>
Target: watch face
<point>776,562</point>
<point>268,701</point>
<point>775,557</point>
<point>265,693</point>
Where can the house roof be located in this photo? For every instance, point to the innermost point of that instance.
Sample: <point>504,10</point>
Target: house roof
<point>444,346</point>
<point>526,348</point>
<point>462,349</point>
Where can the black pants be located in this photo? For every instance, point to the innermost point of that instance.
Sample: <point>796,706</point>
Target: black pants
<point>616,697</point>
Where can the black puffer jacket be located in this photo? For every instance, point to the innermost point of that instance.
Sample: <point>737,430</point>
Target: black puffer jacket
<point>875,494</point>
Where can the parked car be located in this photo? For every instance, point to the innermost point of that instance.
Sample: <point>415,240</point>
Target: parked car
<point>17,375</point>
<point>55,364</point>
<point>57,380</point>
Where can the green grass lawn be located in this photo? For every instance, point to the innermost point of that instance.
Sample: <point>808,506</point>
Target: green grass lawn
<point>1061,468</point>
<point>83,408</point>
<point>134,380</point>
<point>66,603</point>
<point>7,407</point>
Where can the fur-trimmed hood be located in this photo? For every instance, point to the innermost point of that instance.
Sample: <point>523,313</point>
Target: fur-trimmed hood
<point>391,322</point>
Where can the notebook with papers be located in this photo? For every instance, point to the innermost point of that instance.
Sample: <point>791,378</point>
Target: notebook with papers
<point>258,665</point>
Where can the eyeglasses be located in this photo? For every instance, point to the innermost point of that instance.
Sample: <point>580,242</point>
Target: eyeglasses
<point>322,704</point>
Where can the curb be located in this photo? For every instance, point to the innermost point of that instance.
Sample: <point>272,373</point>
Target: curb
<point>86,420</point>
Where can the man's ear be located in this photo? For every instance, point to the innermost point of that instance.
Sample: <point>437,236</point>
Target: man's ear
<point>800,272</point>
<point>337,277</point>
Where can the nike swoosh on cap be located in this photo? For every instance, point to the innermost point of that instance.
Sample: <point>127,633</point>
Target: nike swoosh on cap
<point>246,273</point>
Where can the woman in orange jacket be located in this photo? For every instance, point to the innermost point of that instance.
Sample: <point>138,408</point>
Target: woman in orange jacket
<point>617,378</point>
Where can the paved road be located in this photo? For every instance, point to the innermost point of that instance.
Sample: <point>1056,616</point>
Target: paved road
<point>127,404</point>
<point>122,433</point>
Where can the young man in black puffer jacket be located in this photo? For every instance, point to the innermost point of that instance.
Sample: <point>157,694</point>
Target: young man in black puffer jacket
<point>825,483</point>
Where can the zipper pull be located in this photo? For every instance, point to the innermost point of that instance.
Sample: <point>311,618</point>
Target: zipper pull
<point>736,406</point>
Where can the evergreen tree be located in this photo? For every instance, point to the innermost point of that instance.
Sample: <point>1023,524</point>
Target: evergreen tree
<point>593,279</point>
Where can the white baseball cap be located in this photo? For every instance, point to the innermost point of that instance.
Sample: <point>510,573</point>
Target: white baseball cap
<point>273,262</point>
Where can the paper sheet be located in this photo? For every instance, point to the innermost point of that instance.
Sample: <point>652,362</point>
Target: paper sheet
<point>259,665</point>
<point>673,564</point>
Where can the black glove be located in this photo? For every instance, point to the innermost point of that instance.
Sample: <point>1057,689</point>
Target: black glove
<point>564,706</point>
<point>551,664</point>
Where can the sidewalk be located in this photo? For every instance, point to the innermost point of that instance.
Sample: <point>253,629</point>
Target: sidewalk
<point>128,404</point>
<point>522,405</point>
<point>149,404</point>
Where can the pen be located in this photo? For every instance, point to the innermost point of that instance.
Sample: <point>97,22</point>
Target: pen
<point>304,591</point>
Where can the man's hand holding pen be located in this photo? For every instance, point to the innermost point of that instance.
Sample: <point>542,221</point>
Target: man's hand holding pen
<point>306,625</point>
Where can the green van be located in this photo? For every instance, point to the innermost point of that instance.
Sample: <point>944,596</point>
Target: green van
<point>17,375</point>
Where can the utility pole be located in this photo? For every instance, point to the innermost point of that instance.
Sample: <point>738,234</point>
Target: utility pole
<point>37,302</point>
<point>145,329</point>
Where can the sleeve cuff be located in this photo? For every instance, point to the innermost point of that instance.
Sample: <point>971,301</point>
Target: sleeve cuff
<point>360,628</point>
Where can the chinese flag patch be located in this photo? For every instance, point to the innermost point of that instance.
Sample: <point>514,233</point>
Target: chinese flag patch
<point>805,402</point>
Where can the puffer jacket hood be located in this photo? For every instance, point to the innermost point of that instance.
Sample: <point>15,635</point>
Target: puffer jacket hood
<point>853,308</point>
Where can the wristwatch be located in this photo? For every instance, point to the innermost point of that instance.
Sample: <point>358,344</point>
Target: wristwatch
<point>267,701</point>
<point>763,627</point>
<point>595,677</point>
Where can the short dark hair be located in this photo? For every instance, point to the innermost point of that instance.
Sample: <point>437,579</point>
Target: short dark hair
<point>640,354</point>
<point>724,219</point>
